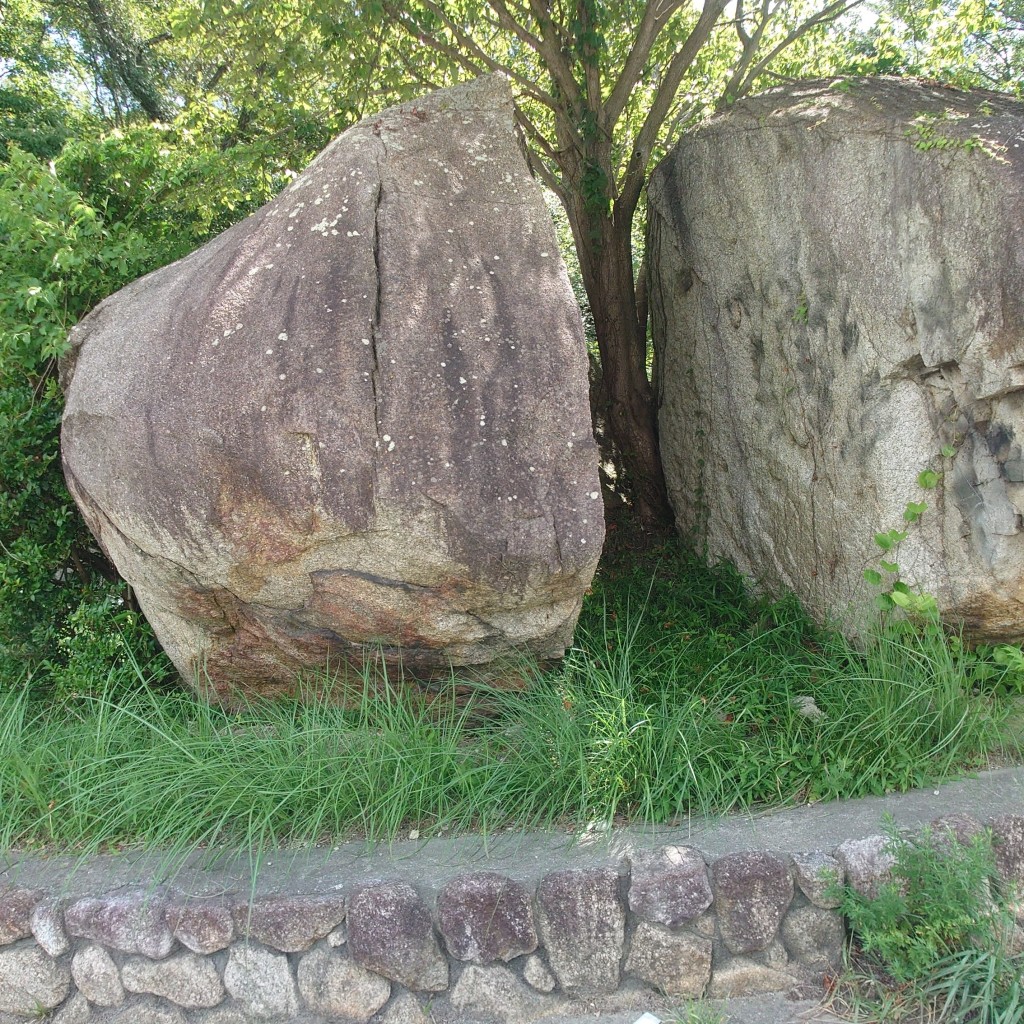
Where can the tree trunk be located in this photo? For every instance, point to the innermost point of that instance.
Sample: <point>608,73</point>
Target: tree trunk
<point>607,265</point>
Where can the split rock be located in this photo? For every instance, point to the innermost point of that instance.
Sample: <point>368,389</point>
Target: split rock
<point>354,425</point>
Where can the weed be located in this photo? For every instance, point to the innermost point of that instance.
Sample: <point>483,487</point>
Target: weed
<point>937,901</point>
<point>698,1012</point>
<point>939,934</point>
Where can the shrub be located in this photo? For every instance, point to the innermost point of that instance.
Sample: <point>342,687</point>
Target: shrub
<point>938,902</point>
<point>57,259</point>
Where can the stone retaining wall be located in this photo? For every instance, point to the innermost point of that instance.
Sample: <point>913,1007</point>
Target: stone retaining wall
<point>660,924</point>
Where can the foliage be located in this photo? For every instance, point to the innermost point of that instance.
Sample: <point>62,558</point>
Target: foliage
<point>982,985</point>
<point>699,1012</point>
<point>102,650</point>
<point>966,43</point>
<point>897,594</point>
<point>57,259</point>
<point>938,901</point>
<point>941,934</point>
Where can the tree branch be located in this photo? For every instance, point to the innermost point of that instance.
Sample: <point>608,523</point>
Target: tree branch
<point>536,163</point>
<point>510,24</point>
<point>553,54</point>
<point>633,179</point>
<point>827,13</point>
<point>409,24</point>
<point>655,18</point>
<point>750,45</point>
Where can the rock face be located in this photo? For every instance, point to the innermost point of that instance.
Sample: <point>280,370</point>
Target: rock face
<point>355,424</point>
<point>837,296</point>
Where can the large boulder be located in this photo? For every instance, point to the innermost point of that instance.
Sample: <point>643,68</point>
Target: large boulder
<point>838,296</point>
<point>355,423</point>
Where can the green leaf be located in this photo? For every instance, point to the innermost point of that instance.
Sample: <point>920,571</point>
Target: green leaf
<point>901,600</point>
<point>948,451</point>
<point>889,566</point>
<point>873,577</point>
<point>928,479</point>
<point>913,510</point>
<point>883,540</point>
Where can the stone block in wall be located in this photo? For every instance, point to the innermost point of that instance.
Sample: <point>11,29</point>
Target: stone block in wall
<point>669,886</point>
<point>47,924</point>
<point>537,975</point>
<point>485,916</point>
<point>962,828</point>
<point>75,1010</point>
<point>390,932</point>
<point>202,926</point>
<point>404,1008</point>
<point>16,903</point>
<point>147,1013</point>
<point>1008,846</point>
<point>495,992</point>
<point>677,964</point>
<point>225,1015</point>
<point>333,985</point>
<point>752,893</point>
<point>261,982</point>
<point>130,922</point>
<point>97,977</point>
<point>290,924</point>
<point>186,979</point>
<point>867,863</point>
<point>814,937</point>
<point>743,977</point>
<point>818,875</point>
<point>30,981</point>
<point>582,926</point>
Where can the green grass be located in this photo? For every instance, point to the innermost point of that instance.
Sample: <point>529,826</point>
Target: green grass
<point>682,695</point>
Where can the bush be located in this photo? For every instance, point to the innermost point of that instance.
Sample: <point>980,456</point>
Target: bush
<point>57,259</point>
<point>938,902</point>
